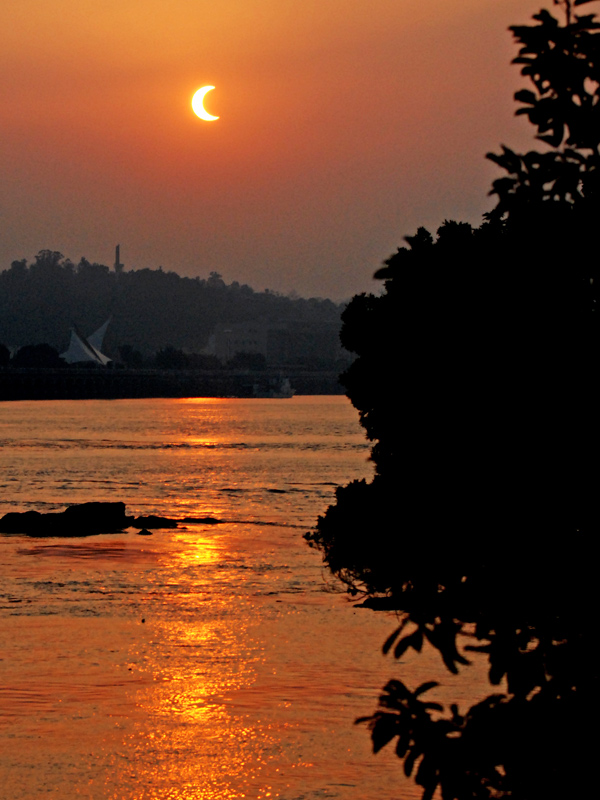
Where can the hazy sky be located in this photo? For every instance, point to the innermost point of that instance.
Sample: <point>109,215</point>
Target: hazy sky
<point>344,125</point>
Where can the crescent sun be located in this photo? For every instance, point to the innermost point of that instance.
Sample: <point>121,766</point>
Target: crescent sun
<point>197,104</point>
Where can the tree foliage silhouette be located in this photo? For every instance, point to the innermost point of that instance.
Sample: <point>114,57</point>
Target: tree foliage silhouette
<point>475,380</point>
<point>563,64</point>
<point>37,355</point>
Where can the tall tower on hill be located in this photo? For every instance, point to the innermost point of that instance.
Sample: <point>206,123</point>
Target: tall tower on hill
<point>118,265</point>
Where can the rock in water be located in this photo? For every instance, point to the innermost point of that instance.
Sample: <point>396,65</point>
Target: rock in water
<point>25,522</point>
<point>153,521</point>
<point>78,520</point>
<point>96,517</point>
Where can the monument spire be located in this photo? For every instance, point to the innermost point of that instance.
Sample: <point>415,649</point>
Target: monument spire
<point>118,265</point>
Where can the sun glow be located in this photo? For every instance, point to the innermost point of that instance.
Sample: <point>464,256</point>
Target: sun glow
<point>198,104</point>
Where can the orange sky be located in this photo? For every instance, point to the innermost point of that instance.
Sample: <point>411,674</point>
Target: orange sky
<point>344,124</point>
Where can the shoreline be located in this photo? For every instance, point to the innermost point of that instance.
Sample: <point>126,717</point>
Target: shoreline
<point>98,384</point>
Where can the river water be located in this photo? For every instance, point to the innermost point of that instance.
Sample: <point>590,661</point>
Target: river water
<point>210,662</point>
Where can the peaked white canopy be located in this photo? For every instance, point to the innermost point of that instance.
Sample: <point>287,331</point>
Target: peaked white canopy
<point>86,350</point>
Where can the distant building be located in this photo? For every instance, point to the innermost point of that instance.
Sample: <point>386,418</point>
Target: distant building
<point>281,343</point>
<point>242,337</point>
<point>88,351</point>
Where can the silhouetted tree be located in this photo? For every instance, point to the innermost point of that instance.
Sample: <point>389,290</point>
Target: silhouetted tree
<point>130,356</point>
<point>48,260</point>
<point>563,64</point>
<point>37,355</point>
<point>475,379</point>
<point>171,358</point>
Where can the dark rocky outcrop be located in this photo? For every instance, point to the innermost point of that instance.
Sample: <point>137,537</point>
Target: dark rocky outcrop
<point>101,517</point>
<point>153,521</point>
<point>84,519</point>
<point>25,522</point>
<point>87,519</point>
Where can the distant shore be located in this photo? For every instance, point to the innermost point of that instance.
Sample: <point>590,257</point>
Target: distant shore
<point>95,384</point>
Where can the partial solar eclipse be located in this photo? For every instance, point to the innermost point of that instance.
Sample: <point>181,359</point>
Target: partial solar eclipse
<point>198,104</point>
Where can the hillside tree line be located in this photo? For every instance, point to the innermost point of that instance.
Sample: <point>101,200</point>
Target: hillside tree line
<point>151,310</point>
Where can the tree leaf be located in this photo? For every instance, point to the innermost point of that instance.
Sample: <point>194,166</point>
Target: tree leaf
<point>392,638</point>
<point>425,687</point>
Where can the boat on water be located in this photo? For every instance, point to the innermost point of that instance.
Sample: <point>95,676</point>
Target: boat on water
<point>279,388</point>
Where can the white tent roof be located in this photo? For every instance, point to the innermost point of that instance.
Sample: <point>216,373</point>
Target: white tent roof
<point>88,350</point>
<point>97,337</point>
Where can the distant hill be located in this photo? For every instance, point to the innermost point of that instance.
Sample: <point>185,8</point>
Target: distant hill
<point>152,310</point>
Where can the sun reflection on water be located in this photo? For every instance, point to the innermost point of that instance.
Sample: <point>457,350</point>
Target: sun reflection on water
<point>195,744</point>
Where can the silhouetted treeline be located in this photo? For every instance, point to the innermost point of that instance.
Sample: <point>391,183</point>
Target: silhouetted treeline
<point>151,309</point>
